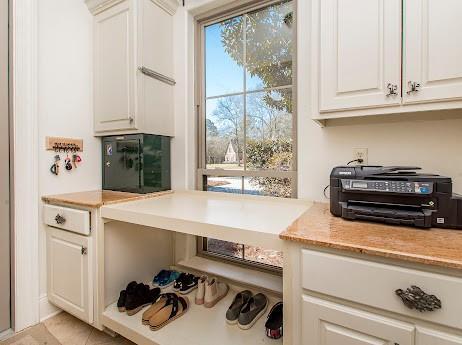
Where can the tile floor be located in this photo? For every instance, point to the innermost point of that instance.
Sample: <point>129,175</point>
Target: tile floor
<point>71,331</point>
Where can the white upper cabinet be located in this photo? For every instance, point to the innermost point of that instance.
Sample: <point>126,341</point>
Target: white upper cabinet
<point>360,53</point>
<point>115,68</point>
<point>133,66</point>
<point>432,50</point>
<point>370,57</point>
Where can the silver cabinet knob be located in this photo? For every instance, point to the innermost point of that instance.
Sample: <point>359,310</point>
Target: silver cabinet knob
<point>392,90</point>
<point>84,251</point>
<point>412,87</point>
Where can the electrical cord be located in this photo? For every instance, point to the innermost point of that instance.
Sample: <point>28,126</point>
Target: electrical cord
<point>358,160</point>
<point>324,192</point>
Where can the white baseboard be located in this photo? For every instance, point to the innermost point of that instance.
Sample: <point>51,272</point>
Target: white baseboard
<point>47,310</point>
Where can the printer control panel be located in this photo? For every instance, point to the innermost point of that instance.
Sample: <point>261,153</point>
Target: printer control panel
<point>401,187</point>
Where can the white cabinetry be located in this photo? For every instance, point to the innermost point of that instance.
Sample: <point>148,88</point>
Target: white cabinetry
<point>360,53</point>
<point>433,50</point>
<point>326,323</point>
<point>427,336</point>
<point>133,66</point>
<point>69,272</point>
<point>370,57</point>
<point>334,299</point>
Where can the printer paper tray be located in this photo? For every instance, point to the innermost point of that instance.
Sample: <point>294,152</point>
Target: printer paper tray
<point>386,213</point>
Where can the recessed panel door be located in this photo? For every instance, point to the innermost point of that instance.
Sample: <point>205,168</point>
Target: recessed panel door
<point>432,50</point>
<point>68,273</point>
<point>327,323</point>
<point>360,54</point>
<point>114,69</point>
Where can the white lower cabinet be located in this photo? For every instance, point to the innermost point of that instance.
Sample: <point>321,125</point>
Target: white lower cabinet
<point>69,277</point>
<point>327,323</point>
<point>427,336</point>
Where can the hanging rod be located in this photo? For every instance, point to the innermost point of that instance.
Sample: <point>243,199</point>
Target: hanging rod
<point>153,74</point>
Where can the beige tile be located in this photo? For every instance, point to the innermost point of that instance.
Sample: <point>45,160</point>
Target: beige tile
<point>37,335</point>
<point>100,338</point>
<point>71,331</point>
<point>68,329</point>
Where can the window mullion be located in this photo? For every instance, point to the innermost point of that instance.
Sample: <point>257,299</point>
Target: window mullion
<point>244,63</point>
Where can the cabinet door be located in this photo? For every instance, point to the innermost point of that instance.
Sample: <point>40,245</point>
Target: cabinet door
<point>68,272</point>
<point>155,51</point>
<point>427,336</point>
<point>327,323</point>
<point>433,50</point>
<point>114,69</point>
<point>360,54</point>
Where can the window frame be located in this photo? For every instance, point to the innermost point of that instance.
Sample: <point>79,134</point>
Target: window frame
<point>200,103</point>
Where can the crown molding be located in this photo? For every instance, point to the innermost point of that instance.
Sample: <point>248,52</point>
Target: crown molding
<point>98,6</point>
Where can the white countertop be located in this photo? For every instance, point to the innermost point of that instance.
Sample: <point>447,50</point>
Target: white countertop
<point>247,219</point>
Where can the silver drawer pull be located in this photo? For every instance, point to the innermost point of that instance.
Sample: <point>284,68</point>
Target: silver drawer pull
<point>59,219</point>
<point>415,298</point>
<point>153,74</point>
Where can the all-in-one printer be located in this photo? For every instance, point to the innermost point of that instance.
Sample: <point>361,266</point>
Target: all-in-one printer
<point>394,195</point>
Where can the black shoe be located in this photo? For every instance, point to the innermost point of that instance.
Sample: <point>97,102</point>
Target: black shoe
<point>188,284</point>
<point>179,281</point>
<point>123,295</point>
<point>141,298</point>
<point>273,323</point>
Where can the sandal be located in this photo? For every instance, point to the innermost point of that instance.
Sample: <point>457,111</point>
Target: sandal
<point>155,307</point>
<point>174,307</point>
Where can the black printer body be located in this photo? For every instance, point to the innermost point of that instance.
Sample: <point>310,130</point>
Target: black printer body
<point>394,195</point>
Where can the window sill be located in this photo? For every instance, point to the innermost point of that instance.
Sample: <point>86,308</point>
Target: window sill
<point>240,275</point>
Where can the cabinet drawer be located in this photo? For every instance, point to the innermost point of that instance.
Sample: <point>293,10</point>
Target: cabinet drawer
<point>374,284</point>
<point>67,218</point>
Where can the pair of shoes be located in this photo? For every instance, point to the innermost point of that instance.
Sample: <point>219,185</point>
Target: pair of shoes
<point>246,309</point>
<point>135,297</point>
<point>274,322</point>
<point>167,308</point>
<point>185,283</point>
<point>210,291</point>
<point>165,278</point>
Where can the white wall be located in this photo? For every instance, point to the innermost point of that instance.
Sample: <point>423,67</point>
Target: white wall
<point>65,101</point>
<point>429,140</point>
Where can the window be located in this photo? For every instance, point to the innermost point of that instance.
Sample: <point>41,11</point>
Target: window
<point>247,122</point>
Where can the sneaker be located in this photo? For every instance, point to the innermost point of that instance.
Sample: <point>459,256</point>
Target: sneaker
<point>123,296</point>
<point>140,298</point>
<point>274,320</point>
<point>179,281</point>
<point>200,294</point>
<point>188,284</point>
<point>241,299</point>
<point>252,311</point>
<point>159,277</point>
<point>168,279</point>
<point>214,292</point>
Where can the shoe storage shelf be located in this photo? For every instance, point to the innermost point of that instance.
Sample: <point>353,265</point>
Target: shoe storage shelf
<point>198,326</point>
<point>139,239</point>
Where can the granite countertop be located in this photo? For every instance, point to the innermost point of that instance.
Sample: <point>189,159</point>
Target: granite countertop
<point>437,247</point>
<point>97,198</point>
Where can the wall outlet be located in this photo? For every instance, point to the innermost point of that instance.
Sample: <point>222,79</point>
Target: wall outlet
<point>361,153</point>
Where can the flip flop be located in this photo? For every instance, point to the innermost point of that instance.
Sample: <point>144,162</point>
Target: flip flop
<point>175,306</point>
